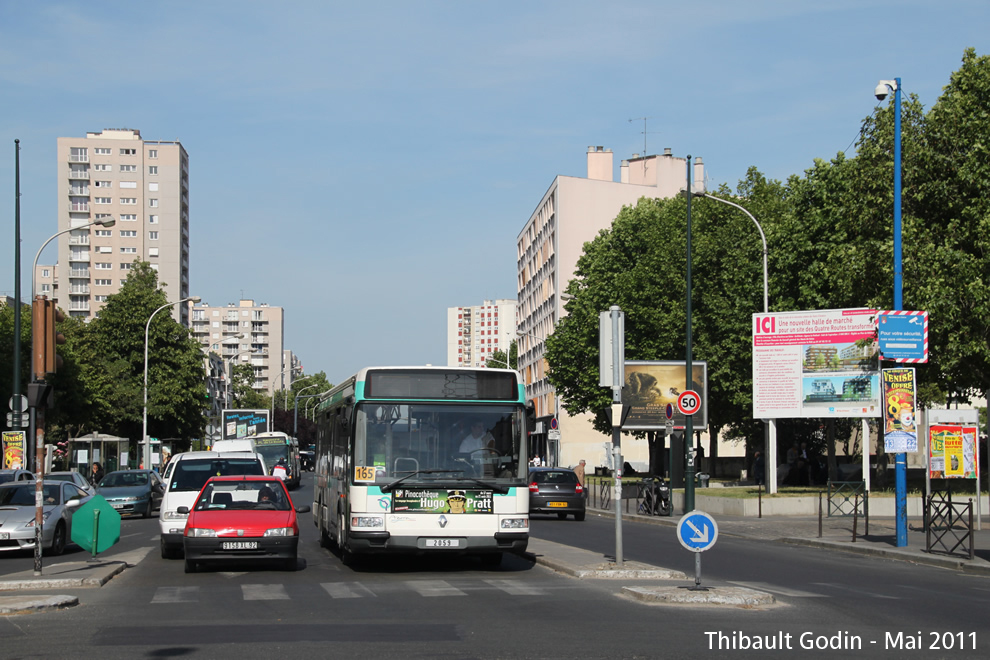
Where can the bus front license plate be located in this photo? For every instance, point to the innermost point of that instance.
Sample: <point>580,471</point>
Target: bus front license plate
<point>443,543</point>
<point>557,504</point>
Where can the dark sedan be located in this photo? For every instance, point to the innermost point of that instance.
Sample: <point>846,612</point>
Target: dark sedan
<point>556,490</point>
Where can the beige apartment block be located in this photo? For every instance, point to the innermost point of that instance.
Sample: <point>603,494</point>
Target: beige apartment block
<point>246,333</point>
<point>474,333</point>
<point>144,186</point>
<point>572,211</point>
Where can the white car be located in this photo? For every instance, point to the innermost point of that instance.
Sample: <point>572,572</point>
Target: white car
<point>17,514</point>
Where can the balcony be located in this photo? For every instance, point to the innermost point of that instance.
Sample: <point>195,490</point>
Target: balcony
<point>78,306</point>
<point>79,159</point>
<point>79,191</point>
<point>79,288</point>
<point>79,174</point>
<point>82,273</point>
<point>80,207</point>
<point>79,257</point>
<point>78,240</point>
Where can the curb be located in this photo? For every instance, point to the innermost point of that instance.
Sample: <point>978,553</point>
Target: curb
<point>63,582</point>
<point>720,596</point>
<point>22,604</point>
<point>927,559</point>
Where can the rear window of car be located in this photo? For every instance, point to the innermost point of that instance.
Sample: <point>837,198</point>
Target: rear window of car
<point>555,477</point>
<point>192,474</point>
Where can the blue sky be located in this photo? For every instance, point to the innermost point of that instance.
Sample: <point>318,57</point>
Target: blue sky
<point>367,165</point>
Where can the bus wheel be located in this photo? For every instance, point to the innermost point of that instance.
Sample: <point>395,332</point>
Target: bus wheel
<point>346,556</point>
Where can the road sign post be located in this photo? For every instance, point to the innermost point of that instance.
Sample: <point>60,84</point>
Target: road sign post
<point>697,531</point>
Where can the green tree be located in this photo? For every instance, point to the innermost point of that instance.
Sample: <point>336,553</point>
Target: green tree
<point>285,400</point>
<point>499,360</point>
<point>245,397</point>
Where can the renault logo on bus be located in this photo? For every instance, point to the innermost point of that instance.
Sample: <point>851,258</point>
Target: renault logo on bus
<point>442,521</point>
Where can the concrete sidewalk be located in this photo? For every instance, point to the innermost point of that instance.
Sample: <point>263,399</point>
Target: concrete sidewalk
<point>68,575</point>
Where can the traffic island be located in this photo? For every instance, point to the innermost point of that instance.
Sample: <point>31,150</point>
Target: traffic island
<point>716,596</point>
<point>26,604</point>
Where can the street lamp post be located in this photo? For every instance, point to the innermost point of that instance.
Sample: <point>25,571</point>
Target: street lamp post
<point>285,390</point>
<point>900,458</point>
<point>295,408</point>
<point>146,449</point>
<point>279,377</point>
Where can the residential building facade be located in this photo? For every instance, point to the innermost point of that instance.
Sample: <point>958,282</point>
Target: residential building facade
<point>144,186</point>
<point>245,333</point>
<point>474,333</point>
<point>572,211</point>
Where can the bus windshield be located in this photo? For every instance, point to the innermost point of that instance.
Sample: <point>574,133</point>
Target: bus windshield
<point>397,440</point>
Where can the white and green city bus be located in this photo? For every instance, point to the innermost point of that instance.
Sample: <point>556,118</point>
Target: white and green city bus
<point>423,460</point>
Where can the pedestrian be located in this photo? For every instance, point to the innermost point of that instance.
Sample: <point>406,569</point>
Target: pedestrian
<point>759,469</point>
<point>579,471</point>
<point>96,476</point>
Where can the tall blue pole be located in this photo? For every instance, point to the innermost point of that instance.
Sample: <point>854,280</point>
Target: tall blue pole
<point>900,462</point>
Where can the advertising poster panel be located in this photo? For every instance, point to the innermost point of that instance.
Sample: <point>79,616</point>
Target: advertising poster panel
<point>238,424</point>
<point>819,363</point>
<point>13,450</point>
<point>649,386</point>
<point>900,432</point>
<point>952,452</point>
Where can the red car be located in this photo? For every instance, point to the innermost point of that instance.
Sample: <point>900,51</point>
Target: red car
<point>242,519</point>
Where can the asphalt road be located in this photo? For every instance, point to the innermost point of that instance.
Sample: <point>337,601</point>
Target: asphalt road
<point>454,608</point>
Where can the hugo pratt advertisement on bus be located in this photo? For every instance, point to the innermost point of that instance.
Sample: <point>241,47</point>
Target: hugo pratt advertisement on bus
<point>442,500</point>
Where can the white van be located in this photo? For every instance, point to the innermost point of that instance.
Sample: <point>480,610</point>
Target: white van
<point>184,478</point>
<point>239,444</point>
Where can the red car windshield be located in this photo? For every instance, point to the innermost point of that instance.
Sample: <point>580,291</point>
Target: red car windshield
<point>254,495</point>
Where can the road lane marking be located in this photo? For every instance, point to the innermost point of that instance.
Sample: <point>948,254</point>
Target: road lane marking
<point>433,588</point>
<point>176,595</point>
<point>855,590</point>
<point>347,590</point>
<point>783,591</point>
<point>264,592</point>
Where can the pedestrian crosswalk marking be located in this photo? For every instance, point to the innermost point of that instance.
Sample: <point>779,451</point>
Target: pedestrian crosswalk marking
<point>517,588</point>
<point>264,592</point>
<point>176,595</point>
<point>347,590</point>
<point>433,588</point>
<point>775,589</point>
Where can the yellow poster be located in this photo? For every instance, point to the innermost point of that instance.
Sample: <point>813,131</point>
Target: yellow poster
<point>954,465</point>
<point>13,450</point>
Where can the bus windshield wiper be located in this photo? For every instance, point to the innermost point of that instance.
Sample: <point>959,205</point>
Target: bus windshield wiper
<point>388,487</point>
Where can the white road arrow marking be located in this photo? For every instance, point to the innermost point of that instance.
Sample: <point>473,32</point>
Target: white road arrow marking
<point>700,537</point>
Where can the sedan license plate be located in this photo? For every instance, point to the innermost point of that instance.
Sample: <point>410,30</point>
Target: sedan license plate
<point>239,545</point>
<point>443,543</point>
<point>117,505</point>
<point>557,504</point>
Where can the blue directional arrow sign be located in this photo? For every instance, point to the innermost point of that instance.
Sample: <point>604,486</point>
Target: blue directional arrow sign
<point>697,531</point>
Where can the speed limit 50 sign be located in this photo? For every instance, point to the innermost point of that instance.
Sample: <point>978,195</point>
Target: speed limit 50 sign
<point>689,402</point>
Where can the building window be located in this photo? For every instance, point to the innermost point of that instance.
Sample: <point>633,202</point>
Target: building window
<point>152,153</point>
<point>153,252</point>
<point>128,233</point>
<point>45,288</point>
<point>152,187</point>
<point>128,184</point>
<point>128,200</point>
<point>102,266</point>
<point>152,169</point>
<point>102,151</point>
<point>128,250</point>
<point>103,200</point>
<point>104,249</point>
<point>101,298</point>
<point>47,273</point>
<point>104,282</point>
<point>128,168</point>
<point>100,216</point>
<point>154,267</point>
<point>103,184</point>
<point>128,152</point>
<point>102,168</point>
<point>126,266</point>
<point>128,217</point>
<point>105,233</point>
<point>153,236</point>
<point>152,219</point>
<point>153,203</point>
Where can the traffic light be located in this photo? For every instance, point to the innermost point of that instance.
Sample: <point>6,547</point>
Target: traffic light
<point>45,337</point>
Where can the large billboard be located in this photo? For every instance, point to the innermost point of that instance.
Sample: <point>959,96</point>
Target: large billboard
<point>236,424</point>
<point>649,386</point>
<point>819,363</point>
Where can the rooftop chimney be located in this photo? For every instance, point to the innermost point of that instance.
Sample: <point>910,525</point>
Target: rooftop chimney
<point>599,163</point>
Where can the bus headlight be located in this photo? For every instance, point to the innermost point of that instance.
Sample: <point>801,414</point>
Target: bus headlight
<point>364,520</point>
<point>515,523</point>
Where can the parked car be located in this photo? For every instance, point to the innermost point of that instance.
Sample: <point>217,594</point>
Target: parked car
<point>6,476</point>
<point>556,490</point>
<point>242,519</point>
<point>73,477</point>
<point>132,492</point>
<point>17,513</point>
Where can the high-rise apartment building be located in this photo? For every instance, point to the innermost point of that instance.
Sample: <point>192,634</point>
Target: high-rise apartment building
<point>572,212</point>
<point>144,186</point>
<point>246,333</point>
<point>473,333</point>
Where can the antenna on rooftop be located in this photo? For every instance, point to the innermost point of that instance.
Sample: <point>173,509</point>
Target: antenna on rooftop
<point>645,132</point>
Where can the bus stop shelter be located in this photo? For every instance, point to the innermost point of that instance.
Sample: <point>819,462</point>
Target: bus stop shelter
<point>109,451</point>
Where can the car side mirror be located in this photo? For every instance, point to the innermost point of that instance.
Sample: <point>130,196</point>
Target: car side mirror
<point>73,503</point>
<point>302,509</point>
<point>182,509</point>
